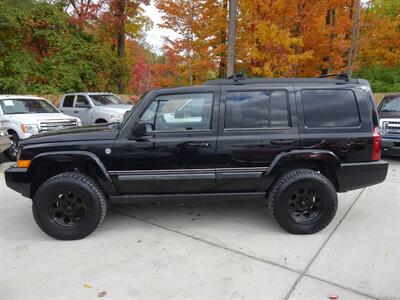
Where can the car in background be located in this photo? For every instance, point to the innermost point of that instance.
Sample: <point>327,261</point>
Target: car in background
<point>389,114</point>
<point>23,116</point>
<point>5,142</point>
<point>94,108</point>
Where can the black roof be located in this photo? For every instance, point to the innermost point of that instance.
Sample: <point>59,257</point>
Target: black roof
<point>281,80</point>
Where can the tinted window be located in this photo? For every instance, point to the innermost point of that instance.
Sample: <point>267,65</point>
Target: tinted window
<point>180,112</point>
<point>330,108</point>
<point>258,109</point>
<point>68,101</point>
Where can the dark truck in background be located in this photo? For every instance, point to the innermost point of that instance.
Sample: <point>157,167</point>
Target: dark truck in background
<point>294,143</point>
<point>389,114</point>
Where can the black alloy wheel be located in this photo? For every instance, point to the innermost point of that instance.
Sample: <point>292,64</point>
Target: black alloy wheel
<point>304,205</point>
<point>303,201</point>
<point>68,208</point>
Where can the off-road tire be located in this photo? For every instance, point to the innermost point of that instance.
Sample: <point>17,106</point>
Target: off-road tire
<point>78,183</point>
<point>289,185</point>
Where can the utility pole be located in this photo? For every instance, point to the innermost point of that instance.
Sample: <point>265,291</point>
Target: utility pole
<point>232,37</point>
<point>354,38</point>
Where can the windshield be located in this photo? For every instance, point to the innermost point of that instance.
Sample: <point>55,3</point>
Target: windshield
<point>390,105</point>
<point>26,106</point>
<point>108,99</point>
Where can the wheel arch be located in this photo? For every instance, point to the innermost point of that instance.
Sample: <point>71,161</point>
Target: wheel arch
<point>323,161</point>
<point>49,164</point>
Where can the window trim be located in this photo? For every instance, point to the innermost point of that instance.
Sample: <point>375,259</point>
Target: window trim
<point>269,111</point>
<point>212,93</point>
<point>330,127</point>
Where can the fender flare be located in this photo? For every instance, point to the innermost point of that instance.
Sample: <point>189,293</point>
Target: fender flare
<point>100,171</point>
<point>324,157</point>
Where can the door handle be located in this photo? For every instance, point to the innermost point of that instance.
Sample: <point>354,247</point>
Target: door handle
<point>282,142</point>
<point>199,144</point>
<point>76,111</point>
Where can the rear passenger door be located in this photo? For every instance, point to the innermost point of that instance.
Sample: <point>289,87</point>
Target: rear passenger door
<point>256,123</point>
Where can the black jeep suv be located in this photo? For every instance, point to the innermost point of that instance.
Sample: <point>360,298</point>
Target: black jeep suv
<point>293,142</point>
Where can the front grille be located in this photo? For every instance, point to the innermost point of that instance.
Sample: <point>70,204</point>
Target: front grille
<point>57,124</point>
<point>392,128</point>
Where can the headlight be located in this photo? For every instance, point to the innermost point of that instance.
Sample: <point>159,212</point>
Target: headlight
<point>78,123</point>
<point>30,128</point>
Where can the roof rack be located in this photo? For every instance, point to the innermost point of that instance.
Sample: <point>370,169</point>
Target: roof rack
<point>339,76</point>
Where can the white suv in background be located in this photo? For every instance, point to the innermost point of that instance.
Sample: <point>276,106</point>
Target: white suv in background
<point>94,108</point>
<point>23,116</point>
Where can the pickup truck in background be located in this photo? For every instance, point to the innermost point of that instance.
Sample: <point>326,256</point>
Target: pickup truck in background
<point>94,108</point>
<point>389,114</point>
<point>23,116</point>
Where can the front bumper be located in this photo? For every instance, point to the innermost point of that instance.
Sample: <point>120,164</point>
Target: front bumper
<point>390,146</point>
<point>359,175</point>
<point>18,180</point>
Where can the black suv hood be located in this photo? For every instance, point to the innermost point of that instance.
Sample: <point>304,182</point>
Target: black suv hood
<point>80,133</point>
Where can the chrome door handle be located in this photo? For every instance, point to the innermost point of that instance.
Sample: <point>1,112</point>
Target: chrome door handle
<point>199,144</point>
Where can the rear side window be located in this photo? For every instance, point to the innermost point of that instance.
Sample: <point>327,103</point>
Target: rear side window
<point>68,101</point>
<point>330,108</point>
<point>256,109</point>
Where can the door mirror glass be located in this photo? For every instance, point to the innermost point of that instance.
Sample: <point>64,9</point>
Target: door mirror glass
<point>179,114</point>
<point>139,128</point>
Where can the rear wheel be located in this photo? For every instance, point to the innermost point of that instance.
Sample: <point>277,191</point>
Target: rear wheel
<point>69,206</point>
<point>303,201</point>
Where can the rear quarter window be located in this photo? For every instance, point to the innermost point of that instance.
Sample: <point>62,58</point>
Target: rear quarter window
<point>330,108</point>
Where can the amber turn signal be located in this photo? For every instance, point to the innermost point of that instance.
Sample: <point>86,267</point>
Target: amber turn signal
<point>23,163</point>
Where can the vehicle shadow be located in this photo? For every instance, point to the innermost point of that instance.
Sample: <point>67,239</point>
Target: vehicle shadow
<point>203,216</point>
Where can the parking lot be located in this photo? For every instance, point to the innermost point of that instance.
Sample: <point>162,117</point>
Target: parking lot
<point>213,250</point>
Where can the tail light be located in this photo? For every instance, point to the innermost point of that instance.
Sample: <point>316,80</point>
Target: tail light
<point>377,145</point>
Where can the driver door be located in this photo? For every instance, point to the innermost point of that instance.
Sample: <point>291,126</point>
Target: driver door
<point>178,153</point>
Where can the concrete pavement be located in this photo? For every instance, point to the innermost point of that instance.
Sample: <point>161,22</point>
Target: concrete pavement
<point>210,250</point>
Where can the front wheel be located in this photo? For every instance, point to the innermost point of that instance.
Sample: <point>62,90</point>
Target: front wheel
<point>69,206</point>
<point>303,201</point>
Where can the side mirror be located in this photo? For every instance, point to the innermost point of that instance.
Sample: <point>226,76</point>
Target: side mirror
<point>139,129</point>
<point>179,114</point>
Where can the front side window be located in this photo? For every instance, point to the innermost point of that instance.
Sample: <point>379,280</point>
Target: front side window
<point>180,112</point>
<point>81,101</point>
<point>330,108</point>
<point>256,109</point>
<point>106,99</point>
<point>26,106</point>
